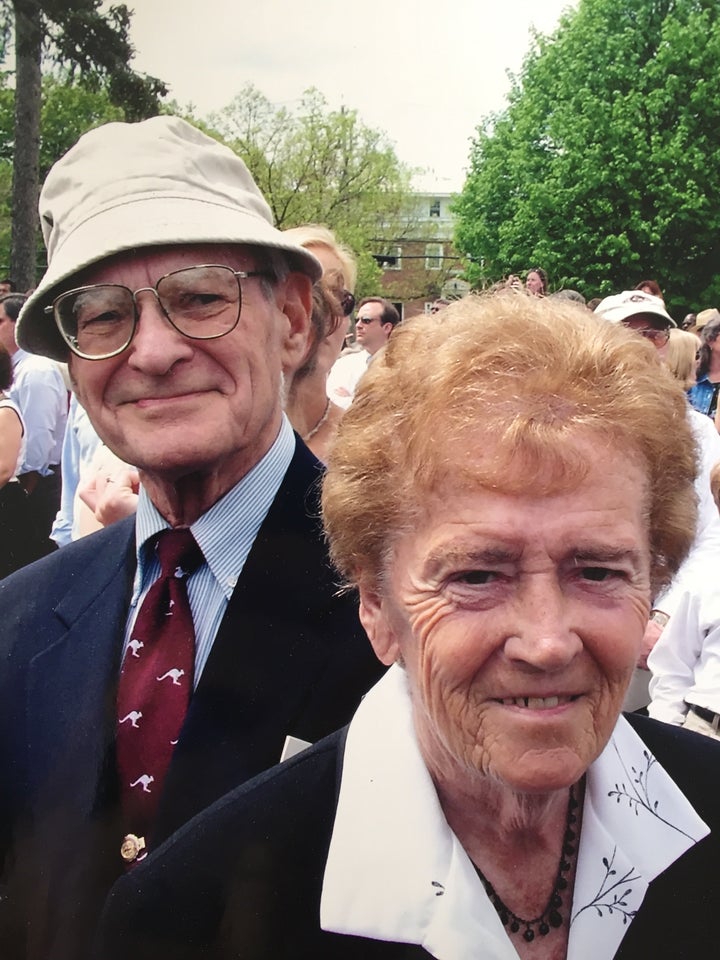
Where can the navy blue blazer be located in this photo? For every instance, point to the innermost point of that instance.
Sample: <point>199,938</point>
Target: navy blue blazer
<point>244,878</point>
<point>290,657</point>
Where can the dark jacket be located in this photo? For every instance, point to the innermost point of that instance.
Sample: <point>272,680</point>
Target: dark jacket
<point>244,879</point>
<point>290,657</point>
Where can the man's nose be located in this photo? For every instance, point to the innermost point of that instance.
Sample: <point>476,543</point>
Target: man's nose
<point>157,345</point>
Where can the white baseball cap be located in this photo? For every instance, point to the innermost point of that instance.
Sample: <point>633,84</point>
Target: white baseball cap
<point>622,306</point>
<point>126,186</point>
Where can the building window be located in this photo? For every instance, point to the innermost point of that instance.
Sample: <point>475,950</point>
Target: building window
<point>392,260</point>
<point>433,256</point>
<point>435,208</point>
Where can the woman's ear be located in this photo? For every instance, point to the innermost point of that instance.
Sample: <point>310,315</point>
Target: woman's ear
<point>374,616</point>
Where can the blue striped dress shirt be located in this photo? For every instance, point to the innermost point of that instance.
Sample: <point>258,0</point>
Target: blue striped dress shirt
<point>242,510</point>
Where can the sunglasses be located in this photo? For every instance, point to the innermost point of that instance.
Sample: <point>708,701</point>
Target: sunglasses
<point>366,321</point>
<point>347,303</point>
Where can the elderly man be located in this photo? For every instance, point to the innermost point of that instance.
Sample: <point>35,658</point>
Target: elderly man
<point>151,666</point>
<point>647,316</point>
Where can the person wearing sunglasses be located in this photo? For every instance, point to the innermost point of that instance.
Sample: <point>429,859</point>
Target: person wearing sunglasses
<point>375,320</point>
<point>147,668</point>
<point>648,317</point>
<point>311,411</point>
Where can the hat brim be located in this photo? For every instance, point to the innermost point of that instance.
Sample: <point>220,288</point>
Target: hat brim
<point>618,315</point>
<point>140,223</point>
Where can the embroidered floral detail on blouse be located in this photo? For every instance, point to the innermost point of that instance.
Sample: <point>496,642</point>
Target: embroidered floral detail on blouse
<point>638,793</point>
<point>613,893</point>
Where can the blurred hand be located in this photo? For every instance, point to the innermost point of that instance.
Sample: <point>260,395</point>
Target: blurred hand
<point>111,494</point>
<point>652,633</point>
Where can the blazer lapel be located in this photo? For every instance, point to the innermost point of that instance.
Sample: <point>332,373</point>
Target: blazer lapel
<point>72,681</point>
<point>71,854</point>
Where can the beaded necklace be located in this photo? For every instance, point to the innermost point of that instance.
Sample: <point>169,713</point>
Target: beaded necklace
<point>551,917</point>
<point>321,421</point>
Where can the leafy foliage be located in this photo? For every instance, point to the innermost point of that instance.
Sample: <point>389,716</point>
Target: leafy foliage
<point>5,218</point>
<point>85,41</point>
<point>93,44</point>
<point>601,169</point>
<point>317,165</point>
<point>68,111</point>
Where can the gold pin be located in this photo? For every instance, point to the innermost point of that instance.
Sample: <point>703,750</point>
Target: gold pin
<point>132,847</point>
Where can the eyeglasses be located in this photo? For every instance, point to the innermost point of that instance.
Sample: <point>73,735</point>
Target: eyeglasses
<point>347,303</point>
<point>658,337</point>
<point>202,303</point>
<point>366,321</point>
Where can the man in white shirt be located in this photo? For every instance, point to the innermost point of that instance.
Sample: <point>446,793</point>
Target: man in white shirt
<point>375,321</point>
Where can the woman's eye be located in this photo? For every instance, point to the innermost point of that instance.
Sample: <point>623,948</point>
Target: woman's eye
<point>476,577</point>
<point>598,574</point>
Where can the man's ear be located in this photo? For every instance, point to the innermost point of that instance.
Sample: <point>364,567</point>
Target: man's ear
<point>374,616</point>
<point>296,304</point>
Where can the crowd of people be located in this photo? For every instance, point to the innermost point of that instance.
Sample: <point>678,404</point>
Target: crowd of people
<point>317,649</point>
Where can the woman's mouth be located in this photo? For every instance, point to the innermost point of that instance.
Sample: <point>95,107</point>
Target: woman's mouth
<point>537,703</point>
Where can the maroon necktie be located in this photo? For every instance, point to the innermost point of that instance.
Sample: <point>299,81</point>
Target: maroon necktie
<point>155,685</point>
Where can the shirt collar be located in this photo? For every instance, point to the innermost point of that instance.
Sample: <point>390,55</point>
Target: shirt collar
<point>18,356</point>
<point>246,505</point>
<point>635,819</point>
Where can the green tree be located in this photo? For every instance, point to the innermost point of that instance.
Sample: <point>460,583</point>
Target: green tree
<point>5,219</point>
<point>86,41</point>
<point>601,169</point>
<point>317,165</point>
<point>69,109</point>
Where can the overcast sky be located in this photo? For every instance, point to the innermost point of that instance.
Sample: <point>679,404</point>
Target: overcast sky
<point>423,72</point>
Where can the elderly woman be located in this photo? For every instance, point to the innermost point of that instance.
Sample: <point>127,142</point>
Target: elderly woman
<point>506,506</point>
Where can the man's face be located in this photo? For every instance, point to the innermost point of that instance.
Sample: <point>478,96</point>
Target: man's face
<point>519,620</point>
<point>173,406</point>
<point>652,328</point>
<point>4,288</point>
<point>370,332</point>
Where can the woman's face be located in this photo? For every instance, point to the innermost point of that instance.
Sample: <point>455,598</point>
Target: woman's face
<point>519,621</point>
<point>332,345</point>
<point>534,284</point>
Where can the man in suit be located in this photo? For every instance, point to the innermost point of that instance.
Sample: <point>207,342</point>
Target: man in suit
<point>179,309</point>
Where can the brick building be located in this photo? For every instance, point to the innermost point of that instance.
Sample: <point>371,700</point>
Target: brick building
<point>422,265</point>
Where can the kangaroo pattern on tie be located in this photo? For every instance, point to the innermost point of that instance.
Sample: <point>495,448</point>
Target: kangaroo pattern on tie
<point>156,683</point>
